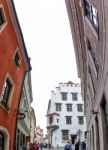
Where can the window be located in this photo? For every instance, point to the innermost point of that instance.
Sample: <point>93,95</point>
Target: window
<point>69,107</point>
<point>80,119</point>
<point>74,96</point>
<point>17,59</point>
<point>92,14</point>
<point>6,95</point>
<point>3,21</point>
<point>6,92</point>
<point>1,17</point>
<point>51,119</point>
<point>64,96</point>
<point>93,55</point>
<point>57,120</point>
<point>68,120</point>
<point>65,134</point>
<point>58,107</point>
<point>80,107</point>
<point>1,141</point>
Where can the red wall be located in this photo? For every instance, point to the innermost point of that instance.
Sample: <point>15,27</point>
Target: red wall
<point>8,45</point>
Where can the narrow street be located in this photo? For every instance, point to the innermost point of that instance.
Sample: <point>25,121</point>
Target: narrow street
<point>54,75</point>
<point>60,148</point>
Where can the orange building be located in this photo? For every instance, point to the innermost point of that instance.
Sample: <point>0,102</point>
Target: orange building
<point>14,62</point>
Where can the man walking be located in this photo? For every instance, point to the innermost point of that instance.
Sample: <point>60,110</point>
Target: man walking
<point>68,146</point>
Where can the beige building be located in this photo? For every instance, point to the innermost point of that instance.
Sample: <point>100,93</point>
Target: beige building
<point>89,22</point>
<point>39,134</point>
<point>32,126</point>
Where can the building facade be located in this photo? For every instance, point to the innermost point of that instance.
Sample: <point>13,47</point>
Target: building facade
<point>39,134</point>
<point>89,26</point>
<point>32,126</point>
<point>23,131</point>
<point>65,115</point>
<point>14,62</point>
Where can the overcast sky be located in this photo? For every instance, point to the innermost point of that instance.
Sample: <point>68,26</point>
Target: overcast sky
<point>47,36</point>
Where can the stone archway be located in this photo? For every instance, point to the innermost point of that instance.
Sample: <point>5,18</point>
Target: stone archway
<point>5,132</point>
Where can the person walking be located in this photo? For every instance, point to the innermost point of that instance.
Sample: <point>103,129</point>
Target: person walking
<point>37,146</point>
<point>41,146</point>
<point>32,147</point>
<point>68,146</point>
<point>24,146</point>
<point>83,145</point>
<point>77,145</point>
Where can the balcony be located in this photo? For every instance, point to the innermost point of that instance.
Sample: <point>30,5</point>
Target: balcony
<point>52,121</point>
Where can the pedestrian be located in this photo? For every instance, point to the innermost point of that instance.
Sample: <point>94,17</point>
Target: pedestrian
<point>24,146</point>
<point>49,145</point>
<point>41,146</point>
<point>83,145</point>
<point>37,145</point>
<point>77,145</point>
<point>68,146</point>
<point>32,147</point>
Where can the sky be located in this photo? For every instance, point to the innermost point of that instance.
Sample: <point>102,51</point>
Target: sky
<point>48,39</point>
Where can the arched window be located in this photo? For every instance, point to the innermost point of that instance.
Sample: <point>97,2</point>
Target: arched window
<point>1,141</point>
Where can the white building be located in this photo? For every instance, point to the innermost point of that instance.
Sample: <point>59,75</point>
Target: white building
<point>65,115</point>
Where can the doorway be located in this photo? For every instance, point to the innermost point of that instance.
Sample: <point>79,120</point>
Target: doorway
<point>73,138</point>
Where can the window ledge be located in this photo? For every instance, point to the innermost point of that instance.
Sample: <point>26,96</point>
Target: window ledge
<point>2,27</point>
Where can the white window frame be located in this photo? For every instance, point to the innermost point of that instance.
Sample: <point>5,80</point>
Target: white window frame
<point>2,27</point>
<point>10,95</point>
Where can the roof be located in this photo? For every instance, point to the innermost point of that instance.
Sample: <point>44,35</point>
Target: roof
<point>70,82</point>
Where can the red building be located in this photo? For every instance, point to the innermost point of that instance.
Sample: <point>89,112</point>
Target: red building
<point>14,62</point>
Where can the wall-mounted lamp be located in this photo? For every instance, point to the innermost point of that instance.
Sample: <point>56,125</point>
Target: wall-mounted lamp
<point>20,114</point>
